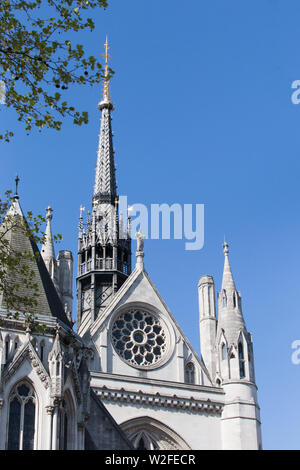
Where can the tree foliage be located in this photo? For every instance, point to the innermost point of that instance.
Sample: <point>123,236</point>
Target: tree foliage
<point>38,62</point>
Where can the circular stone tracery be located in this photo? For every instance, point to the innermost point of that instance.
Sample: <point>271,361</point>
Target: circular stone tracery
<point>139,338</point>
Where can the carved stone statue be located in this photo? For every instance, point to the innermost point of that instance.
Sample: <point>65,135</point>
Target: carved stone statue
<point>140,240</point>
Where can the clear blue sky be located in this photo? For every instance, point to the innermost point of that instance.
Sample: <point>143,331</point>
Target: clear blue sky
<point>203,115</point>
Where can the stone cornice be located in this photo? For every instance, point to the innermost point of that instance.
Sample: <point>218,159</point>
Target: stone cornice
<point>156,382</point>
<point>239,382</point>
<point>158,400</point>
<point>9,321</point>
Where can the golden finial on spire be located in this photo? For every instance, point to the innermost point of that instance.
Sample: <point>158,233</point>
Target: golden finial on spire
<point>106,91</point>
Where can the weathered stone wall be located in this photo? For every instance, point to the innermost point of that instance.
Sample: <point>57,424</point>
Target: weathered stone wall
<point>102,432</point>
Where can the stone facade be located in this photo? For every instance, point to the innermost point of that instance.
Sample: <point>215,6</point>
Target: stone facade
<point>129,377</point>
<point>144,369</point>
<point>45,396</point>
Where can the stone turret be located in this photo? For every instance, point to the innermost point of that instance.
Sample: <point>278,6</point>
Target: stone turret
<point>208,323</point>
<point>235,369</point>
<point>48,252</point>
<point>60,268</point>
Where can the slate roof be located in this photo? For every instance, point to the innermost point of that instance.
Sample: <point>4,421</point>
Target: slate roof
<point>49,303</point>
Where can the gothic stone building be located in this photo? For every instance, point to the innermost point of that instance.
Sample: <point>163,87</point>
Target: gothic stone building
<point>129,377</point>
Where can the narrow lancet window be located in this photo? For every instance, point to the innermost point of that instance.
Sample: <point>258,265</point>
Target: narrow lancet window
<point>42,348</point>
<point>190,373</point>
<point>241,361</point>
<point>224,298</point>
<point>7,344</point>
<point>224,351</point>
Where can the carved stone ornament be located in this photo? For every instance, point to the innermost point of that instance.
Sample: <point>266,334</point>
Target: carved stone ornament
<point>140,338</point>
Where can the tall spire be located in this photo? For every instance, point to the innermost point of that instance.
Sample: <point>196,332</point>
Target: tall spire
<point>229,299</point>
<point>105,188</point>
<point>227,281</point>
<point>104,248</point>
<point>235,367</point>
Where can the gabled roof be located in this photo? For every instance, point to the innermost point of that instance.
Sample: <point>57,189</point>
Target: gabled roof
<point>27,352</point>
<point>136,277</point>
<point>49,303</point>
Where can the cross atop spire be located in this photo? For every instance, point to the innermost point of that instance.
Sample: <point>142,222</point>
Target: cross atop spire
<point>49,213</point>
<point>106,78</point>
<point>105,187</point>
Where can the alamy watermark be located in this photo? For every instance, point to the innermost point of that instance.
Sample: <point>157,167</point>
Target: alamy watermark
<point>180,222</point>
<point>158,221</point>
<point>296,354</point>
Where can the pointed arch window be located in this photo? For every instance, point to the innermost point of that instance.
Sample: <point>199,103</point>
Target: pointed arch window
<point>234,300</point>
<point>241,360</point>
<point>249,352</point>
<point>16,343</point>
<point>189,373</point>
<point>7,347</point>
<point>21,418</point>
<point>141,444</point>
<point>208,300</point>
<point>66,424</point>
<point>144,441</point>
<point>109,252</point>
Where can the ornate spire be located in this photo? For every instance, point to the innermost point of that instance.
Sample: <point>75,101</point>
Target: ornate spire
<point>106,90</point>
<point>56,351</point>
<point>104,250</point>
<point>105,188</point>
<point>231,319</point>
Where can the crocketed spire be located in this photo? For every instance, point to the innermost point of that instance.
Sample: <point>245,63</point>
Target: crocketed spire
<point>56,351</point>
<point>104,247</point>
<point>105,188</point>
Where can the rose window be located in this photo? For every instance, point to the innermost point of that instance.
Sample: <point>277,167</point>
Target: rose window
<point>139,338</point>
